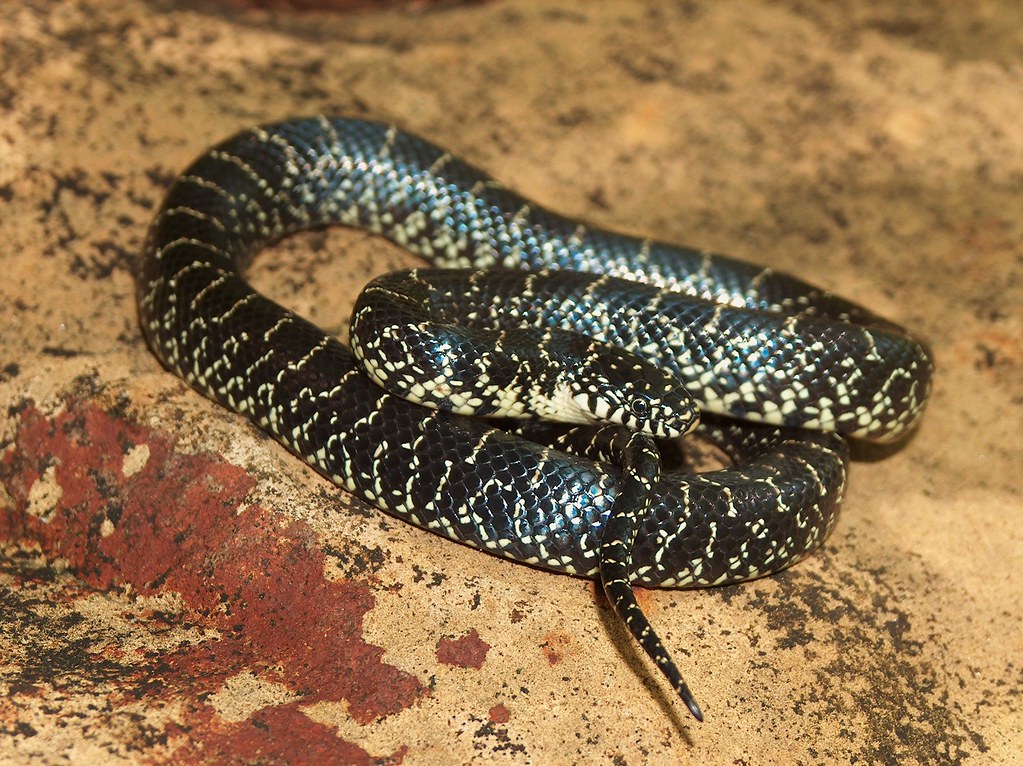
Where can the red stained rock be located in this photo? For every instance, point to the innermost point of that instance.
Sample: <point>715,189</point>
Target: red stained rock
<point>500,714</point>
<point>469,651</point>
<point>170,522</point>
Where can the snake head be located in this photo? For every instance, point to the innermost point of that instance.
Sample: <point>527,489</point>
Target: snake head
<point>617,387</point>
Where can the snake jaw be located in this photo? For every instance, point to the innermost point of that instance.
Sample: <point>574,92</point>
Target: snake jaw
<point>639,412</point>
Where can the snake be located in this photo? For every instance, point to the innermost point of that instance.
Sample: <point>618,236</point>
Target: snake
<point>783,373</point>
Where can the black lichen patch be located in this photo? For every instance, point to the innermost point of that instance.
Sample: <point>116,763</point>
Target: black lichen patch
<point>870,661</point>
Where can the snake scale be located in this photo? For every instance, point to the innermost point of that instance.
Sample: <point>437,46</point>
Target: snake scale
<point>780,369</point>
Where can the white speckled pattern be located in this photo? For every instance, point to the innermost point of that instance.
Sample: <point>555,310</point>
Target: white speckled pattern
<point>477,484</point>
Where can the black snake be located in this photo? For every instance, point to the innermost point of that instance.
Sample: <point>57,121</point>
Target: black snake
<point>746,342</point>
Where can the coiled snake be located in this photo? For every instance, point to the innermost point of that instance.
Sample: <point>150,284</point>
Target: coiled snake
<point>745,342</point>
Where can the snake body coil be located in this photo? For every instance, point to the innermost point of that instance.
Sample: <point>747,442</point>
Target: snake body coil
<point>747,342</point>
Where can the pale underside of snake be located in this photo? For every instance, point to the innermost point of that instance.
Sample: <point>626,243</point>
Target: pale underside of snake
<point>568,321</point>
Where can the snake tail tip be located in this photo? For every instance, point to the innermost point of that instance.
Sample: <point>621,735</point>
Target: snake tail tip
<point>694,708</point>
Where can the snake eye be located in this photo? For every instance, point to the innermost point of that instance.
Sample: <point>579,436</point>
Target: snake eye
<point>640,406</point>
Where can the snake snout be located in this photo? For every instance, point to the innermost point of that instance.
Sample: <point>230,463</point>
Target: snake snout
<point>629,391</point>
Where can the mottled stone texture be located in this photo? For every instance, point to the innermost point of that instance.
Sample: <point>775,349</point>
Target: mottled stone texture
<point>175,588</point>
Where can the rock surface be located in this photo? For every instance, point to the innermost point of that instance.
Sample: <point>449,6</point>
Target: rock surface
<point>176,588</point>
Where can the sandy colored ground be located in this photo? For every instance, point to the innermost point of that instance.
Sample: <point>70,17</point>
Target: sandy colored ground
<point>175,588</point>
